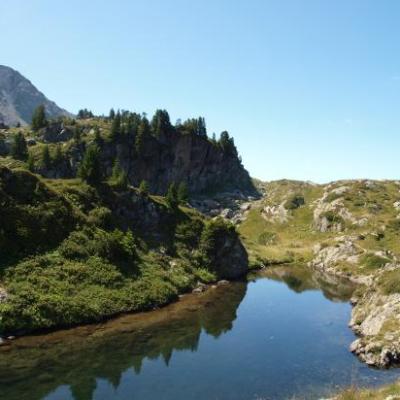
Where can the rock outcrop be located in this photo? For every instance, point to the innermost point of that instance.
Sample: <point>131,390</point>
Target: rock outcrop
<point>19,98</point>
<point>174,157</point>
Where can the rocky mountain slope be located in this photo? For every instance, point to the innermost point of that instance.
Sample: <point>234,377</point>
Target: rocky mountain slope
<point>173,155</point>
<point>19,98</point>
<point>347,228</point>
<point>78,247</point>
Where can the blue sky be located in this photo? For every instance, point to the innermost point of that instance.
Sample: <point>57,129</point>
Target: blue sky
<point>310,89</point>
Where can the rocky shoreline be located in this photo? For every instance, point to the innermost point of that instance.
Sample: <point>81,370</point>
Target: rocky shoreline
<point>375,316</point>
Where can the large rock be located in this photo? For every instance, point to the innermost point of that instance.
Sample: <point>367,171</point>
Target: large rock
<point>230,259</point>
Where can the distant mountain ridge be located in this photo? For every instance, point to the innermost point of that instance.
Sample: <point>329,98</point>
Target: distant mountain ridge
<point>19,98</point>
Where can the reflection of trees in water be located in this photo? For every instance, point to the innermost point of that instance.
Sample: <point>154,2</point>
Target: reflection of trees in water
<point>300,278</point>
<point>78,357</point>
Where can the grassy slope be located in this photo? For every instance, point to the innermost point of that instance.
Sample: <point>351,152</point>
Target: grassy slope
<point>391,392</point>
<point>274,242</point>
<point>293,240</point>
<point>90,269</point>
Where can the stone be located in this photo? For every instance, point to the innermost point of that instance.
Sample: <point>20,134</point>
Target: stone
<point>226,213</point>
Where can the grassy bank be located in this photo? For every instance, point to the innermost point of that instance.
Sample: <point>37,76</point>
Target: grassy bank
<point>72,253</point>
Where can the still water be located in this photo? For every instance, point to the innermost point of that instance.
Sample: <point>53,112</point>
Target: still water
<point>281,335</point>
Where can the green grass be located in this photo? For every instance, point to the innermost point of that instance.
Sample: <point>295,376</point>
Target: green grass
<point>373,261</point>
<point>389,282</point>
<point>67,257</point>
<point>370,394</point>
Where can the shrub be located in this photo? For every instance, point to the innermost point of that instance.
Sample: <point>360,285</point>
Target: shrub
<point>373,261</point>
<point>212,241</point>
<point>294,202</point>
<point>115,246</point>
<point>90,168</point>
<point>144,188</point>
<point>19,148</point>
<point>101,217</point>
<point>267,238</point>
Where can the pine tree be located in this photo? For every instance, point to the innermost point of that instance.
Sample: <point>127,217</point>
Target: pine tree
<point>97,137</point>
<point>90,167</point>
<point>39,118</point>
<point>119,178</point>
<point>142,133</point>
<point>183,193</point>
<point>31,162</point>
<point>111,114</point>
<point>19,149</point>
<point>160,124</point>
<point>115,131</point>
<point>58,156</point>
<point>45,160</point>
<point>172,197</point>
<point>144,188</point>
<point>201,127</point>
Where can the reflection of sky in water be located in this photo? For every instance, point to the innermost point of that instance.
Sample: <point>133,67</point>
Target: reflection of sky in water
<point>282,344</point>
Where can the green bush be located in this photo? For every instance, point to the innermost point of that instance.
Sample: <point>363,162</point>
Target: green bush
<point>101,217</point>
<point>373,261</point>
<point>266,238</point>
<point>294,202</point>
<point>212,240</point>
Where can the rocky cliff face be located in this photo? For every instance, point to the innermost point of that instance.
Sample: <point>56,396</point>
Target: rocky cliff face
<point>174,157</point>
<point>19,98</point>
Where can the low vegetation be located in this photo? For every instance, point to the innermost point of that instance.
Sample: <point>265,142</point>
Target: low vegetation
<point>67,256</point>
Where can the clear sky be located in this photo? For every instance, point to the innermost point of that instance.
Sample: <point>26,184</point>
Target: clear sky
<point>310,89</point>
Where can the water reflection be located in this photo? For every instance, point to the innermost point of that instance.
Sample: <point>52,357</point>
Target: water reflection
<point>282,335</point>
<point>36,366</point>
<point>300,278</point>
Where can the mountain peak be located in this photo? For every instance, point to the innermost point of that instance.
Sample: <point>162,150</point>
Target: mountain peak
<point>19,98</point>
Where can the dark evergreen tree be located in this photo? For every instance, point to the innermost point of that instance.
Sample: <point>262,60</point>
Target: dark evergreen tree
<point>39,118</point>
<point>227,143</point>
<point>45,160</point>
<point>142,133</point>
<point>161,124</point>
<point>115,131</point>
<point>19,149</point>
<point>58,156</point>
<point>112,114</point>
<point>119,178</point>
<point>90,168</point>
<point>97,137</point>
<point>201,127</point>
<point>172,197</point>
<point>84,114</point>
<point>31,162</point>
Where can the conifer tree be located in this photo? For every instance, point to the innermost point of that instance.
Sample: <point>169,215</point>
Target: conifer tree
<point>19,149</point>
<point>58,155</point>
<point>119,178</point>
<point>45,160</point>
<point>39,118</point>
<point>115,131</point>
<point>90,167</point>
<point>31,162</point>
<point>172,197</point>
<point>142,133</point>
